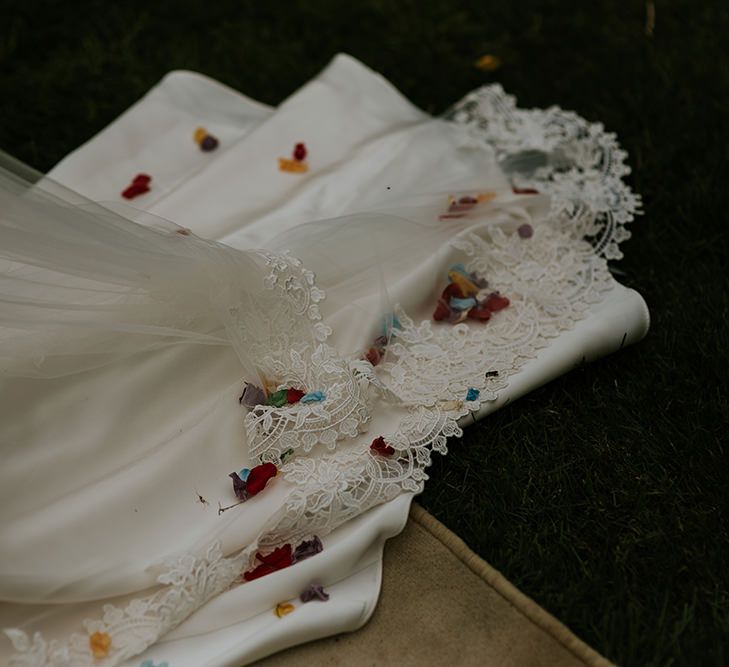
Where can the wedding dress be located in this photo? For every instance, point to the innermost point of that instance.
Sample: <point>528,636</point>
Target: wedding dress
<point>129,332</point>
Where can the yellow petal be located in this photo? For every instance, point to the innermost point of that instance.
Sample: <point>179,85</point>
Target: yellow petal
<point>200,134</point>
<point>466,286</point>
<point>284,608</point>
<point>485,196</point>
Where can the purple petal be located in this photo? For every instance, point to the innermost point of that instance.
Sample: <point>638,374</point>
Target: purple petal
<point>314,592</point>
<point>239,486</point>
<point>307,549</point>
<point>525,231</point>
<point>252,396</point>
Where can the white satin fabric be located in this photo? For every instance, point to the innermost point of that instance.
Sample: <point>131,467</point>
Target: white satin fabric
<point>105,468</point>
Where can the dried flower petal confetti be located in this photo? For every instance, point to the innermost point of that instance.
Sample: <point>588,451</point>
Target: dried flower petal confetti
<point>297,164</point>
<point>294,395</point>
<point>283,608</point>
<point>278,398</point>
<point>278,559</point>
<point>379,446</point>
<point>258,478</point>
<point>252,396</point>
<point>466,297</point>
<point>525,231</point>
<point>488,63</point>
<point>206,141</point>
<point>314,592</point>
<point>239,486</point>
<point>139,185</point>
<point>300,152</point>
<point>307,549</point>
<point>313,397</point>
<point>292,166</point>
<point>99,643</point>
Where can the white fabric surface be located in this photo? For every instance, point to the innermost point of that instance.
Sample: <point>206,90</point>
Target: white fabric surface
<point>155,136</point>
<point>135,442</point>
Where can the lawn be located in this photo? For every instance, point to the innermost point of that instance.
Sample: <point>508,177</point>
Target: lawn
<point>603,495</point>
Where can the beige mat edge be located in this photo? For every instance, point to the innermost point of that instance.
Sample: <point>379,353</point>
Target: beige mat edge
<point>523,603</point>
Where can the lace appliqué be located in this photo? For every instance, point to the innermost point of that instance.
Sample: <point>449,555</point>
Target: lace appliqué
<point>579,164</point>
<point>343,413</point>
<point>285,316</point>
<point>550,280</point>
<point>188,583</point>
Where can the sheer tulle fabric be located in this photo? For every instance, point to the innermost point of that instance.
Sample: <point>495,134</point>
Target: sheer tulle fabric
<point>93,300</point>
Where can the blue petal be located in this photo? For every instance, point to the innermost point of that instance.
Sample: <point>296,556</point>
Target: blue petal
<point>462,304</point>
<point>313,397</point>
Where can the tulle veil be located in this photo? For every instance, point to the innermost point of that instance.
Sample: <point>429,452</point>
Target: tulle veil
<point>84,284</point>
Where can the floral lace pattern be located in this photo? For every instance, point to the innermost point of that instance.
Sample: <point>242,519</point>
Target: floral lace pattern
<point>550,279</point>
<point>290,319</point>
<point>344,412</point>
<point>188,583</point>
<point>576,162</point>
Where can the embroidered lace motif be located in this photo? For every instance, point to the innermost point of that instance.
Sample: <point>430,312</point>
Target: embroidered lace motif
<point>551,280</point>
<point>188,583</point>
<point>344,413</point>
<point>576,162</point>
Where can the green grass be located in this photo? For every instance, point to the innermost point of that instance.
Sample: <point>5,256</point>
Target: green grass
<point>603,495</point>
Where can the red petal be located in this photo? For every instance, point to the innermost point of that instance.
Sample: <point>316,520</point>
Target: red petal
<point>481,313</point>
<point>373,356</point>
<point>496,302</point>
<point>258,478</point>
<point>142,179</point>
<point>134,191</point>
<point>257,572</point>
<point>525,191</point>
<point>294,395</point>
<point>300,152</point>
<point>461,207</point>
<point>452,290</point>
<point>442,311</point>
<point>381,447</point>
<point>279,558</point>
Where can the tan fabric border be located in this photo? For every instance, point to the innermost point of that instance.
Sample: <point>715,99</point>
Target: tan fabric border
<point>524,604</point>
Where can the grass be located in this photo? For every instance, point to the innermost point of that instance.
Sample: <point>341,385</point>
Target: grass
<point>603,495</point>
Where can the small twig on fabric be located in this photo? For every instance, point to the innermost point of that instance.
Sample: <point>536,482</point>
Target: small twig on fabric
<point>222,509</point>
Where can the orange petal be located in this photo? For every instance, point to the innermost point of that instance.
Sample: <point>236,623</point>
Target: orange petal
<point>292,166</point>
<point>99,643</point>
<point>487,63</point>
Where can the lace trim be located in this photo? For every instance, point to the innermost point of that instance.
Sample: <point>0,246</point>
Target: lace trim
<point>189,583</point>
<point>343,413</point>
<point>551,280</point>
<point>579,164</point>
